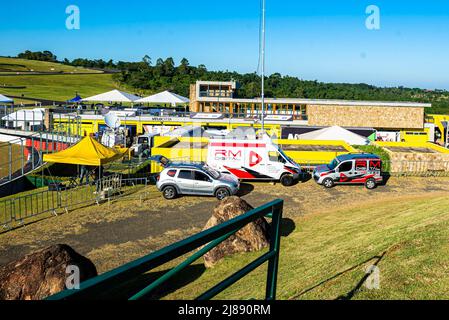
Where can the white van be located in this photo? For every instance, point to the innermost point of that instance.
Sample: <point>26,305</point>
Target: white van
<point>258,159</point>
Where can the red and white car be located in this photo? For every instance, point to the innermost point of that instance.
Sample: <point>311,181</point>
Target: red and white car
<point>351,169</point>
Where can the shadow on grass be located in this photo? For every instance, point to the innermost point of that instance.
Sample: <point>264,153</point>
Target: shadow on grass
<point>287,227</point>
<point>128,289</point>
<point>351,293</point>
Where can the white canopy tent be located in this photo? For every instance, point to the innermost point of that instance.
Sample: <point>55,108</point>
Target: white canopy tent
<point>113,96</point>
<point>26,119</point>
<point>335,133</point>
<point>165,97</point>
<point>4,99</point>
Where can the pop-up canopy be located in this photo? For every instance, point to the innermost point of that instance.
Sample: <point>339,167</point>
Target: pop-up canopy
<point>165,97</point>
<point>75,100</point>
<point>4,99</point>
<point>87,152</point>
<point>113,96</point>
<point>335,133</point>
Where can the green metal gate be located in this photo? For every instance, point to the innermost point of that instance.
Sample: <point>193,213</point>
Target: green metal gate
<point>210,238</point>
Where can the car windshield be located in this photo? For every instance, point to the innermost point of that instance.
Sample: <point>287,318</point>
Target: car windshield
<point>333,164</point>
<point>213,173</point>
<point>288,158</point>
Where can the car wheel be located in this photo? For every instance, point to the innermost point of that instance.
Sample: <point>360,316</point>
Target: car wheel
<point>328,183</point>
<point>222,193</point>
<point>287,180</point>
<point>169,192</point>
<point>370,184</point>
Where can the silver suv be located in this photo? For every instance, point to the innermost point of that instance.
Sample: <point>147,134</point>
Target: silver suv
<point>190,179</point>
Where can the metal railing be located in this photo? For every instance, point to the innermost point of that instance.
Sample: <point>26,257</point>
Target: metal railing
<point>105,284</point>
<point>17,210</point>
<point>24,155</point>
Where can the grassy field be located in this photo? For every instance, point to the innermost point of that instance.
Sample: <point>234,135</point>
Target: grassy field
<point>13,65</point>
<point>4,158</point>
<point>51,87</point>
<point>57,87</point>
<point>327,255</point>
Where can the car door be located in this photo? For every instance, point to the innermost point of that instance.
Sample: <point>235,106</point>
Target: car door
<point>202,184</point>
<point>361,169</point>
<point>276,164</point>
<point>184,181</point>
<point>346,171</point>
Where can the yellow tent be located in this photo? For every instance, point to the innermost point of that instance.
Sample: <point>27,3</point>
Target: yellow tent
<point>88,152</point>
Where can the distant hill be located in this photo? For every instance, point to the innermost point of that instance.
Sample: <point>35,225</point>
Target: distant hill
<point>15,65</point>
<point>49,80</point>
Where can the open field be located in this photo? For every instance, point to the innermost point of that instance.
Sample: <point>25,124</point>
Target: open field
<point>4,158</point>
<point>14,65</point>
<point>57,87</point>
<point>330,237</point>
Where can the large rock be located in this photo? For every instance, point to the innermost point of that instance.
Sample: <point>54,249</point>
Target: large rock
<point>252,237</point>
<point>43,273</point>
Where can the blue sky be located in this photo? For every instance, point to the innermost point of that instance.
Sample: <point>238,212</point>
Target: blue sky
<point>323,40</point>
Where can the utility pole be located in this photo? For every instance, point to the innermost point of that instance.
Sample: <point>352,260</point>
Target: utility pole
<point>263,65</point>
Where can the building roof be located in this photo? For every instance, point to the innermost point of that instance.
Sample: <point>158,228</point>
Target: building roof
<point>233,84</point>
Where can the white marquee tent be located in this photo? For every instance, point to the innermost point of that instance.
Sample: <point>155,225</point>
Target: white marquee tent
<point>335,133</point>
<point>4,99</point>
<point>113,96</point>
<point>165,97</point>
<point>26,119</point>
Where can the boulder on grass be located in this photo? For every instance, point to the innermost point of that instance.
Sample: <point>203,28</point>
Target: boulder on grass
<point>42,274</point>
<point>252,237</point>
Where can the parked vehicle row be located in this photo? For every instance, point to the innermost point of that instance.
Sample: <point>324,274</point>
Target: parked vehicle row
<point>202,179</point>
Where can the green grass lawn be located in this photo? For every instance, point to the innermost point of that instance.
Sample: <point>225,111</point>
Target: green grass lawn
<point>327,254</point>
<point>4,158</point>
<point>13,65</point>
<point>57,87</point>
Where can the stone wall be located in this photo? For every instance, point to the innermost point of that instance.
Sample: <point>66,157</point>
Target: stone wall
<point>194,105</point>
<point>366,116</point>
<point>403,162</point>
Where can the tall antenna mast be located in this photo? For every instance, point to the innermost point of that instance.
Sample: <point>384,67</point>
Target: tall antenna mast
<point>263,66</point>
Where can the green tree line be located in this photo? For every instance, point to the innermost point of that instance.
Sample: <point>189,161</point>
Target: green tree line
<point>164,74</point>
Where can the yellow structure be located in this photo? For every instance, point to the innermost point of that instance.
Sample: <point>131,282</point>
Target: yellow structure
<point>88,152</point>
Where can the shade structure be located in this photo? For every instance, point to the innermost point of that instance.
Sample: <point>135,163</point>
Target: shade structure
<point>87,152</point>
<point>75,100</point>
<point>113,96</point>
<point>4,99</point>
<point>333,134</point>
<point>31,115</point>
<point>165,97</point>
